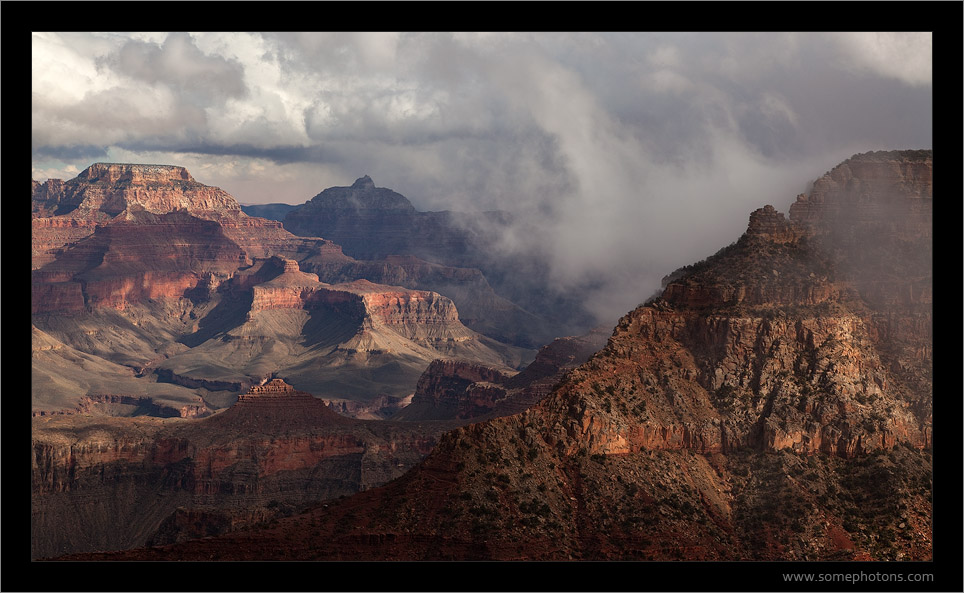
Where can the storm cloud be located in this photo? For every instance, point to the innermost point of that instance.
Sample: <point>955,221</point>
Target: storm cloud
<point>622,155</point>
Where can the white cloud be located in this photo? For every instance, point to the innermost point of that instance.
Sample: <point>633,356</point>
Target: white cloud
<point>904,56</point>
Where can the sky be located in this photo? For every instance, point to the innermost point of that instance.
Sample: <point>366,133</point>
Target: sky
<point>622,156</point>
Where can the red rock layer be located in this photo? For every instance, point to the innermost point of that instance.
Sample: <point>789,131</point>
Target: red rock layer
<point>460,389</point>
<point>277,449</point>
<point>112,188</point>
<point>130,261</point>
<point>456,389</point>
<point>405,311</point>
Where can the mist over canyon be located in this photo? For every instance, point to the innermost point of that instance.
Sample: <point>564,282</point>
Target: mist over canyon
<point>357,379</point>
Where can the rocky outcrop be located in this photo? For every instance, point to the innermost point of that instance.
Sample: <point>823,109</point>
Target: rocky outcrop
<point>423,317</point>
<point>459,389</point>
<point>455,389</point>
<point>480,307</point>
<point>771,225</point>
<point>275,451</point>
<point>112,188</point>
<point>373,223</point>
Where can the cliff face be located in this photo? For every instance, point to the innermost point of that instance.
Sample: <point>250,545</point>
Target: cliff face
<point>112,188</point>
<point>373,223</point>
<point>480,307</point>
<point>132,261</point>
<point>113,484</point>
<point>761,408</point>
<point>465,390</point>
<point>355,340</point>
<point>455,389</point>
<point>141,263</point>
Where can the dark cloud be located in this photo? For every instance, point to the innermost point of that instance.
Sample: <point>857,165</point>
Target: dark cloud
<point>623,155</point>
<point>72,153</point>
<point>180,65</point>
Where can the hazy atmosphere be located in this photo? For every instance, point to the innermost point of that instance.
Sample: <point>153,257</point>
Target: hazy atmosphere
<point>622,155</point>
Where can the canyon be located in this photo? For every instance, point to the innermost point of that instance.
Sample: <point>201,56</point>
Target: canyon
<point>106,482</point>
<point>157,302</point>
<point>517,302</point>
<point>142,266</point>
<point>773,401</point>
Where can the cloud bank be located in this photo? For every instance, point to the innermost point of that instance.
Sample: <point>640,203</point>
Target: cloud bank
<point>623,155</point>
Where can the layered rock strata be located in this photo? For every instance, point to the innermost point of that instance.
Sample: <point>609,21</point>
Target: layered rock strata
<point>460,389</point>
<point>374,223</point>
<point>735,417</point>
<point>324,337</point>
<point>113,483</point>
<point>112,188</point>
<point>141,263</point>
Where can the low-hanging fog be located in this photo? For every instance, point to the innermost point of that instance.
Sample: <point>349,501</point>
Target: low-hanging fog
<point>622,156</point>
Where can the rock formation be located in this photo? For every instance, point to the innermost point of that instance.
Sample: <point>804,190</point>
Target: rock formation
<point>350,215</point>
<point>112,188</point>
<point>139,264</point>
<point>375,223</point>
<point>466,390</point>
<point>355,340</point>
<point>480,307</point>
<point>757,409</point>
<point>115,483</point>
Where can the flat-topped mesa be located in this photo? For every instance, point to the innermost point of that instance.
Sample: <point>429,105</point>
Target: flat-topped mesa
<point>135,173</point>
<point>65,212</point>
<point>116,188</point>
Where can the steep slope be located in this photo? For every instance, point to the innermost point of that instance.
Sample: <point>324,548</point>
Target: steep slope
<point>115,483</point>
<point>60,372</point>
<point>467,390</point>
<point>376,223</point>
<point>356,340</point>
<point>137,264</point>
<point>755,410</point>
